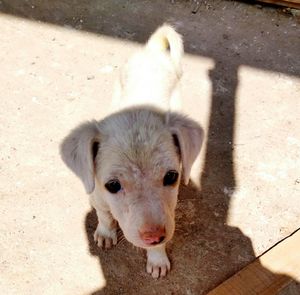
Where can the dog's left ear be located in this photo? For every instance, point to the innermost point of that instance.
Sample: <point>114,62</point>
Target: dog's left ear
<point>188,137</point>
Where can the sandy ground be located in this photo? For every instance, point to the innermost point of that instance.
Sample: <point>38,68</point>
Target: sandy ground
<point>58,62</point>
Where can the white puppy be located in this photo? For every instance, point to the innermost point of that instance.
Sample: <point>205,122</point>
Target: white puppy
<point>131,162</point>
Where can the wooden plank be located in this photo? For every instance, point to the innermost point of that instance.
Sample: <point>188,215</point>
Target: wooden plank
<point>289,3</point>
<point>268,274</point>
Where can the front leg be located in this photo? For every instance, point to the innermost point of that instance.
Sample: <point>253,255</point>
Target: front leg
<point>106,233</point>
<point>158,263</point>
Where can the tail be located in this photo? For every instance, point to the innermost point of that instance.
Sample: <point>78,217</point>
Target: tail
<point>166,38</point>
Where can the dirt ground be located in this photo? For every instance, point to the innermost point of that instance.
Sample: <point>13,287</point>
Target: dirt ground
<point>241,82</point>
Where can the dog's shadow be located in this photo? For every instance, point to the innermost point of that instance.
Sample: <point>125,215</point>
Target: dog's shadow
<point>204,250</point>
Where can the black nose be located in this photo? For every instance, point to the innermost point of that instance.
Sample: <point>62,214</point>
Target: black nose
<point>161,239</point>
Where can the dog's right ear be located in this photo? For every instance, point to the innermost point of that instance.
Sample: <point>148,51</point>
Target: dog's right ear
<point>79,149</point>
<point>188,137</point>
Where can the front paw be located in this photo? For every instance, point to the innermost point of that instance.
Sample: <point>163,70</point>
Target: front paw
<point>158,263</point>
<point>105,238</point>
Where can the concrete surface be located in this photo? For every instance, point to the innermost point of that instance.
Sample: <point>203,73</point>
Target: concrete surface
<point>58,63</point>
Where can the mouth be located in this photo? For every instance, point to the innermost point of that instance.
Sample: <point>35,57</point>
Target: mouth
<point>154,241</point>
<point>146,244</point>
<point>149,243</point>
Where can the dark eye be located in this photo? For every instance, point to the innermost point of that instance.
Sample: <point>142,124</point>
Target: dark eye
<point>113,186</point>
<point>170,177</point>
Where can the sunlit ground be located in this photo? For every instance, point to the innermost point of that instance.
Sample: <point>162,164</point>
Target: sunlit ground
<point>53,78</point>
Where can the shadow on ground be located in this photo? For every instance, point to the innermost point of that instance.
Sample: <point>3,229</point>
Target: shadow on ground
<point>205,250</point>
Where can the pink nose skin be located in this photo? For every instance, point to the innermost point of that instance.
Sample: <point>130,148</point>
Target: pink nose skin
<point>152,235</point>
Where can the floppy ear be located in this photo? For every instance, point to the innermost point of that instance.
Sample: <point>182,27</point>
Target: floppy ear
<point>188,137</point>
<point>79,149</point>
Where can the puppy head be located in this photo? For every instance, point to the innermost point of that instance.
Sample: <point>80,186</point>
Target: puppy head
<point>134,159</point>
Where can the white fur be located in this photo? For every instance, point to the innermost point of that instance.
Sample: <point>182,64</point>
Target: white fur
<point>138,146</point>
<point>151,75</point>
